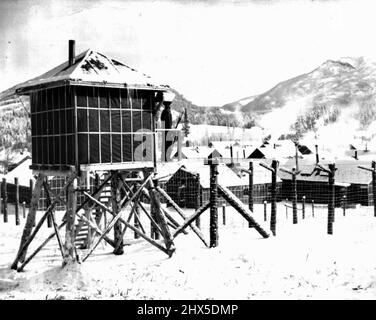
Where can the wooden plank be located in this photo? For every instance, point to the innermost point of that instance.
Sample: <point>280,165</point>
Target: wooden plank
<point>192,218</point>
<point>25,239</point>
<point>69,251</point>
<point>181,213</point>
<point>238,205</point>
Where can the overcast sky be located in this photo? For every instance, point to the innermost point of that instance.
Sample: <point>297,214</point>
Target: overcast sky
<point>213,52</point>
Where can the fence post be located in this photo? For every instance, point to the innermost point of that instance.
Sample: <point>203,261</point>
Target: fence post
<point>331,203</point>
<point>198,199</point>
<point>48,203</point>
<point>31,186</point>
<point>313,208</point>
<point>294,197</point>
<point>250,190</point>
<point>213,203</point>
<point>5,200</point>
<point>273,215</point>
<point>23,210</point>
<point>16,207</point>
<point>265,210</point>
<point>344,205</point>
<point>303,206</point>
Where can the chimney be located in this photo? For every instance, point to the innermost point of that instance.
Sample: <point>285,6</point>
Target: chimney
<point>71,53</point>
<point>356,154</point>
<point>317,154</point>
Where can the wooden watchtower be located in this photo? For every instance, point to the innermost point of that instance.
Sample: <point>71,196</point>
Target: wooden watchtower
<point>93,114</point>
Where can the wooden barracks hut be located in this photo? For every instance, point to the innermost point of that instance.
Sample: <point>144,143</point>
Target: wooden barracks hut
<point>92,110</point>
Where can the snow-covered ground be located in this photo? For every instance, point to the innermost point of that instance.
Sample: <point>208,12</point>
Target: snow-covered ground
<point>301,262</point>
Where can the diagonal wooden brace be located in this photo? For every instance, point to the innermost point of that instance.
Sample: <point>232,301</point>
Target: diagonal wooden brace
<point>181,213</point>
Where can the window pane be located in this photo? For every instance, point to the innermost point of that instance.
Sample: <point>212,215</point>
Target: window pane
<point>127,148</point>
<point>115,97</point>
<point>126,115</point>
<point>116,148</point>
<point>94,148</point>
<point>103,97</point>
<point>82,120</point>
<point>105,148</point>
<point>81,93</point>
<point>93,121</point>
<point>105,120</point>
<point>82,148</point>
<point>115,121</point>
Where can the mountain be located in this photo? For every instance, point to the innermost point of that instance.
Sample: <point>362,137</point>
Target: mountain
<point>320,97</point>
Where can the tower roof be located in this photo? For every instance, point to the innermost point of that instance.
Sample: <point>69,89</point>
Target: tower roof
<point>95,69</point>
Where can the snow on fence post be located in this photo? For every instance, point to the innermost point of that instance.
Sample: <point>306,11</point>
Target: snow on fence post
<point>224,214</point>
<point>344,205</point>
<point>265,210</point>
<point>313,208</point>
<point>16,205</point>
<point>198,199</point>
<point>303,206</point>
<point>5,200</point>
<point>213,202</point>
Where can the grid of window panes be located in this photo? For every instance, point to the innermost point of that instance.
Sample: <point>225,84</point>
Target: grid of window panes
<point>114,125</point>
<point>52,129</point>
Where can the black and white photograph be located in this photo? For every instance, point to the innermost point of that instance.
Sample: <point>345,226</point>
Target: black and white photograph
<point>187,151</point>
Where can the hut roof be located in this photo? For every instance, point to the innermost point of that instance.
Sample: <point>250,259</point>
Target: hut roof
<point>94,68</point>
<point>347,172</point>
<point>199,152</point>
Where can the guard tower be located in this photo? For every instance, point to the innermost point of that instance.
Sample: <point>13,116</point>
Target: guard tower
<point>93,116</point>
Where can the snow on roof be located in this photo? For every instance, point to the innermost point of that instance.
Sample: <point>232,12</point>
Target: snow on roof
<point>94,67</point>
<point>347,172</point>
<point>197,152</point>
<point>166,169</point>
<point>226,176</point>
<point>22,172</point>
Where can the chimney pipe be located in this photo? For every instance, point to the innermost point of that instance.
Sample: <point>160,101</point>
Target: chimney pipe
<point>317,154</point>
<point>356,154</point>
<point>71,53</point>
<point>231,154</point>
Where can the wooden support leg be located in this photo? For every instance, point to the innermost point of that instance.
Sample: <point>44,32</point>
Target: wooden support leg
<point>118,232</point>
<point>69,247</point>
<point>159,216</point>
<point>29,223</point>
